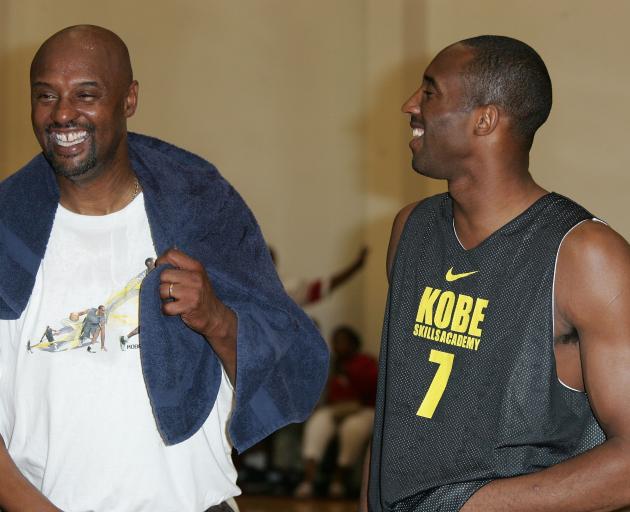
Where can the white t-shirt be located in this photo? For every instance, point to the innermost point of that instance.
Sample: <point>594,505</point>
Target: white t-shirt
<point>74,410</point>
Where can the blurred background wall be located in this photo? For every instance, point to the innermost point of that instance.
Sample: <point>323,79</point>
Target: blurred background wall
<point>297,103</point>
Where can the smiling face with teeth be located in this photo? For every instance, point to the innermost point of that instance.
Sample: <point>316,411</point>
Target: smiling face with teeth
<point>81,96</point>
<point>441,126</point>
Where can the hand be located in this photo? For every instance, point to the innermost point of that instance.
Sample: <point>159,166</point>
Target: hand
<point>362,257</point>
<point>342,276</point>
<point>187,292</point>
<point>191,295</point>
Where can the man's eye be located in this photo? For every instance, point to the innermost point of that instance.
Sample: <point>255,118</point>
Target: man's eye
<point>45,96</point>
<point>427,93</point>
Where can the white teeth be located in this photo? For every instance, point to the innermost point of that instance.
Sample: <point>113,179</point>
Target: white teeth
<point>69,139</point>
<point>418,132</point>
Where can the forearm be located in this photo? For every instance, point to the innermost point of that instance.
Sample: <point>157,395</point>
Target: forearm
<point>596,481</point>
<point>341,277</point>
<point>222,337</point>
<point>16,492</point>
<point>363,498</point>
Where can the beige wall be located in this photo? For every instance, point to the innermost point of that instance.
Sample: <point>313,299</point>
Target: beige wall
<point>3,93</point>
<point>392,56</point>
<point>298,104</point>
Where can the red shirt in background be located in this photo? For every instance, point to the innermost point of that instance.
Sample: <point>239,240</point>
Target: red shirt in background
<point>356,382</point>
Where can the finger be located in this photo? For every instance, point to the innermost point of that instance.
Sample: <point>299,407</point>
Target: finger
<point>185,278</point>
<point>174,275</point>
<point>176,307</point>
<point>169,291</point>
<point>178,291</point>
<point>164,258</point>
<point>179,259</point>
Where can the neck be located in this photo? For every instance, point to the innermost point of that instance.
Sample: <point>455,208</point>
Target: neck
<point>107,192</point>
<point>485,201</point>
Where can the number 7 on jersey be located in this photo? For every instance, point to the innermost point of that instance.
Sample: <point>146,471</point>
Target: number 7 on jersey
<point>438,384</point>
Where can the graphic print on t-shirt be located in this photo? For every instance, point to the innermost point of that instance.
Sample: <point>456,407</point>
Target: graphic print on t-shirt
<point>86,327</point>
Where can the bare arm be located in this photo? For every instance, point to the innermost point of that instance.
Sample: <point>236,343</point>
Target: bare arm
<point>397,228</point>
<point>592,296</point>
<point>16,492</point>
<point>341,277</point>
<point>363,497</point>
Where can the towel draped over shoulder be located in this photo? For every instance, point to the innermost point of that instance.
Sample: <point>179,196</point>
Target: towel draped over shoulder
<point>282,361</point>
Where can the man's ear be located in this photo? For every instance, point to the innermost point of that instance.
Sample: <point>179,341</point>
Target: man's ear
<point>131,99</point>
<point>487,119</point>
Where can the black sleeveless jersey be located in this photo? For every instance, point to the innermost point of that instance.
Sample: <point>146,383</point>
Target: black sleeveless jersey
<point>468,390</point>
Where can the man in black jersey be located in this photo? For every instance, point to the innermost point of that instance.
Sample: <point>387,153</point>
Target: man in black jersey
<point>506,305</point>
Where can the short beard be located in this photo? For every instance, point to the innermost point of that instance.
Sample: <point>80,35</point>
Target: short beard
<point>61,168</point>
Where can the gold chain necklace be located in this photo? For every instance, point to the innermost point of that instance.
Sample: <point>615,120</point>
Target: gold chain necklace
<point>136,189</point>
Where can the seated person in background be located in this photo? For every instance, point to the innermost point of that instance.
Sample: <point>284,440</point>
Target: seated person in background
<point>348,412</point>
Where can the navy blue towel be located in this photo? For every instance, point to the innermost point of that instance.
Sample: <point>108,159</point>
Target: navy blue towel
<point>282,361</point>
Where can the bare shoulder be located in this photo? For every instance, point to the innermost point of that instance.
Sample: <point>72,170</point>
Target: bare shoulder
<point>590,246</point>
<point>594,234</point>
<point>399,223</point>
<point>593,268</point>
<point>593,298</point>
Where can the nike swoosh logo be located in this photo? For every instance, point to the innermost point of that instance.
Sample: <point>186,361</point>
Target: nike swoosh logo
<point>454,277</point>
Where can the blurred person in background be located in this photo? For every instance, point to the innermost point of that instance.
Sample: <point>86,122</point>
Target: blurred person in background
<point>347,412</point>
<point>309,291</point>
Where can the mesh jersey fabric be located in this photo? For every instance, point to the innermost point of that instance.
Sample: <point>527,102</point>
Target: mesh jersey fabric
<point>468,390</point>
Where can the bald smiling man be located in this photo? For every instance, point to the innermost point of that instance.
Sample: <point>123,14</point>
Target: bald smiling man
<point>95,426</point>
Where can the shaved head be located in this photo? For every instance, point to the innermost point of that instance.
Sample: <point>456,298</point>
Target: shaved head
<point>510,74</point>
<point>92,39</point>
<point>82,93</point>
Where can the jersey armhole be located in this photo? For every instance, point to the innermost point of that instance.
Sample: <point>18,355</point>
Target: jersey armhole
<point>553,295</point>
<point>402,235</point>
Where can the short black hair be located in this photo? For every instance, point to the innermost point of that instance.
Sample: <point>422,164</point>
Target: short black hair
<point>350,333</point>
<point>509,74</point>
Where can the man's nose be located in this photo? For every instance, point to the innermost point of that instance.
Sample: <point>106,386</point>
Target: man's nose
<point>64,112</point>
<point>412,105</point>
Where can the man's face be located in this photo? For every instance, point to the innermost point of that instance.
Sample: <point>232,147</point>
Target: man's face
<point>441,127</point>
<point>79,106</point>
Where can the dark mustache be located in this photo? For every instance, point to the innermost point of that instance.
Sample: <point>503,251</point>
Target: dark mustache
<point>69,126</point>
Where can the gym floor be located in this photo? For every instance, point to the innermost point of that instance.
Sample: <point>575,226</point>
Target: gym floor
<point>286,504</point>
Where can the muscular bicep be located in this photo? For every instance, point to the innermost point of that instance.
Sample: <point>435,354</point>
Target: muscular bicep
<point>397,229</point>
<point>593,293</point>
